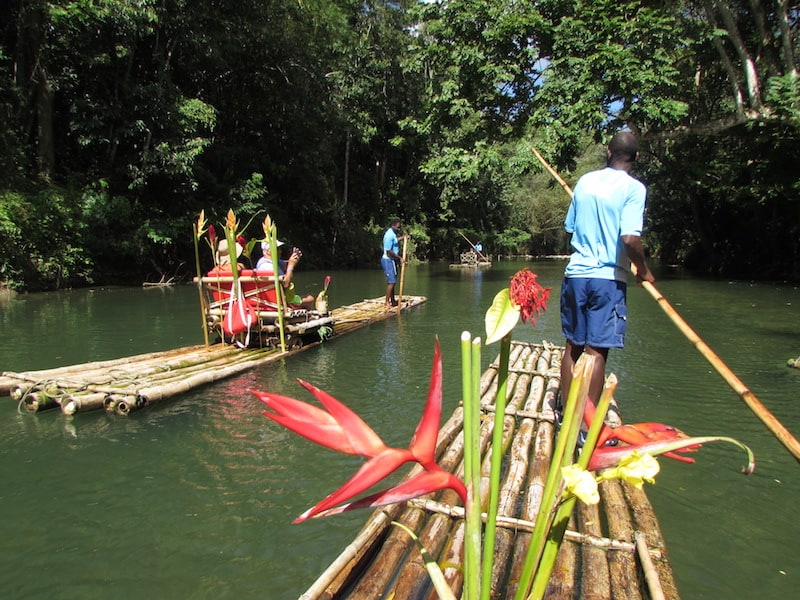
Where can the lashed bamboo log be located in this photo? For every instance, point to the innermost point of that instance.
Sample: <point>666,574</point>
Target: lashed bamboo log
<point>595,582</point>
<point>622,567</point>
<point>563,582</point>
<point>37,401</point>
<point>77,403</point>
<point>645,520</point>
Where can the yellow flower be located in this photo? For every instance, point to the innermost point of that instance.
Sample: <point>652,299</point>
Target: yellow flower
<point>267,226</point>
<point>232,224</point>
<point>201,224</point>
<point>635,468</point>
<point>580,483</point>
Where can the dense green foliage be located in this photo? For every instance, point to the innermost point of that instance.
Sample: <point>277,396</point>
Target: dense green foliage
<point>122,119</point>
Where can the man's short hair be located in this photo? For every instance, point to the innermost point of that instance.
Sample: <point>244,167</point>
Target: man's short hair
<point>624,145</point>
<point>394,221</point>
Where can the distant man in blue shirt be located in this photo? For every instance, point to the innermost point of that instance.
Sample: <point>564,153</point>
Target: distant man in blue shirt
<point>390,258</point>
<point>604,222</point>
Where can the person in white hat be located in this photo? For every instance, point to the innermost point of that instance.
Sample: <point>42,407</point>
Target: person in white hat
<point>223,256</point>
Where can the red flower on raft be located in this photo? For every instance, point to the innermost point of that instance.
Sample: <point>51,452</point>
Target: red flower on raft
<point>647,438</point>
<point>528,295</point>
<point>342,430</point>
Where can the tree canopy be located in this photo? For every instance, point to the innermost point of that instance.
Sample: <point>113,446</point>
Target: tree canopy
<point>124,118</point>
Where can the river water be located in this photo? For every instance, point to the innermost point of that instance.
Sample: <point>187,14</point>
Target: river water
<point>194,497</point>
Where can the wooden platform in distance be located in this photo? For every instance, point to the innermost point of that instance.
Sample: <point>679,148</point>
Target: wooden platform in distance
<point>127,384</point>
<point>599,558</point>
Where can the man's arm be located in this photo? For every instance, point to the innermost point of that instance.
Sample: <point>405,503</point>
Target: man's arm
<point>635,251</point>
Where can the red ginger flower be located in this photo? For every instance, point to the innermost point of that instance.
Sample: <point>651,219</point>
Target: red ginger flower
<point>340,429</point>
<point>528,295</point>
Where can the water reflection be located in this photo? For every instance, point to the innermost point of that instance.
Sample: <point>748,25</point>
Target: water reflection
<point>194,497</point>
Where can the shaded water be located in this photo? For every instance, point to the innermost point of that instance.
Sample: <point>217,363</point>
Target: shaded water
<point>194,498</point>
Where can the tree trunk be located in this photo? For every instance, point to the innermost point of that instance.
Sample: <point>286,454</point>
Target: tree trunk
<point>46,152</point>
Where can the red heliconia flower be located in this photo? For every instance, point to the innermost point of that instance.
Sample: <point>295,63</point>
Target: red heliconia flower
<point>635,436</point>
<point>212,236</point>
<point>529,295</point>
<point>340,429</point>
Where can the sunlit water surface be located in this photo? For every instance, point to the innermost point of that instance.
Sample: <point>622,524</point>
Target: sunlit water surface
<point>194,497</point>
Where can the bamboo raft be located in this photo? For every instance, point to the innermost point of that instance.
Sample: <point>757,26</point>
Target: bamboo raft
<point>611,550</point>
<point>472,260</point>
<point>128,384</point>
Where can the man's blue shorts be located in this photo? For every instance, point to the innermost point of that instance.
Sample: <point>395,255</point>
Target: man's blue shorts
<point>390,269</point>
<point>593,312</point>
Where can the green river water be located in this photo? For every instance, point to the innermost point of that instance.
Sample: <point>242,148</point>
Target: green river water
<point>193,498</point>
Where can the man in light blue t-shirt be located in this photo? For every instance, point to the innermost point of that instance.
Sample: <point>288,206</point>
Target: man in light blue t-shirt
<point>604,222</point>
<point>390,258</point>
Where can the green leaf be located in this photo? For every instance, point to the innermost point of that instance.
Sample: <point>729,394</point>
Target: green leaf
<point>501,317</point>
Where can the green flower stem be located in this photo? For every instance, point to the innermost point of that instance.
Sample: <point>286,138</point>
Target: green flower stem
<point>497,460</point>
<point>434,570</point>
<point>566,438</point>
<point>470,400</point>
<point>564,511</point>
<point>279,296</point>
<point>200,285</point>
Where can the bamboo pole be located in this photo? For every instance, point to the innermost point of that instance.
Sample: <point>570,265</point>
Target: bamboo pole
<point>552,172</point>
<point>203,308</point>
<point>650,574</point>
<point>478,252</point>
<point>762,412</point>
<point>402,275</point>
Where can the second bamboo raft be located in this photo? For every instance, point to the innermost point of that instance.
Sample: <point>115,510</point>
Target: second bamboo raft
<point>612,550</point>
<point>127,384</point>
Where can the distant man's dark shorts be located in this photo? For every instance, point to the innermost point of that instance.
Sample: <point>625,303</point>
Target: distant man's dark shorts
<point>390,269</point>
<point>593,312</point>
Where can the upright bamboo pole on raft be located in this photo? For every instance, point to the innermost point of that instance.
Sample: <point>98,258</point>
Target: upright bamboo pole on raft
<point>762,412</point>
<point>402,275</point>
<point>203,306</point>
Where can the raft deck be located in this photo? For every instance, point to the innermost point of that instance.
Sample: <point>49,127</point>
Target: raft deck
<point>611,550</point>
<point>128,384</point>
